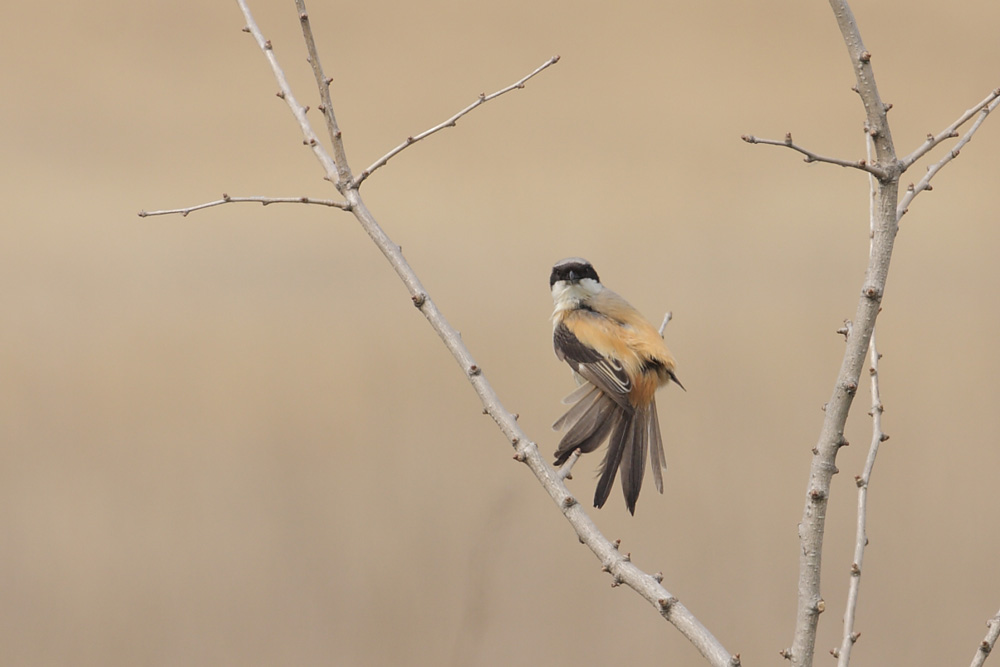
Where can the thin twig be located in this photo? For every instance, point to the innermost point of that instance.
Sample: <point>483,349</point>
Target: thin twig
<point>925,182</point>
<point>849,638</point>
<point>986,646</point>
<point>947,133</point>
<point>566,470</point>
<point>285,92</point>
<point>451,122</point>
<point>326,105</point>
<point>666,320</point>
<point>787,142</point>
<point>226,199</point>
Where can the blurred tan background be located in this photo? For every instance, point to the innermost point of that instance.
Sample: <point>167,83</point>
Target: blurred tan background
<point>229,439</point>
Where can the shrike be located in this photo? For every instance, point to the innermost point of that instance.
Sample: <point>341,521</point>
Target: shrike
<point>621,361</point>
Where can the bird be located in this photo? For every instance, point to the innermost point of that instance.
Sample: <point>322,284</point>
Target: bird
<point>620,360</point>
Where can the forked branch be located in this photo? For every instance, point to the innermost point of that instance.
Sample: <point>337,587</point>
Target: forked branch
<point>924,183</point>
<point>831,438</point>
<point>618,565</point>
<point>949,132</point>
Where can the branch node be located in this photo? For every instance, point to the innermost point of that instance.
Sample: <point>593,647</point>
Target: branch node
<point>568,502</point>
<point>865,56</point>
<point>785,653</point>
<point>658,577</point>
<point>267,45</point>
<point>616,544</point>
<point>820,606</point>
<point>520,457</point>
<point>872,292</point>
<point>666,603</point>
<point>734,661</point>
<point>817,494</point>
<point>474,370</point>
<point>419,300</point>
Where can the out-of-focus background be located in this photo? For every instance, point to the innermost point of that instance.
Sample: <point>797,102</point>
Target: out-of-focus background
<point>229,438</point>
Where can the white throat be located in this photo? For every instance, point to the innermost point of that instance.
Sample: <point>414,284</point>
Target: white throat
<point>570,296</point>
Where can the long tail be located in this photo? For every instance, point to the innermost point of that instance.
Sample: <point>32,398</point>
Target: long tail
<point>589,422</point>
<point>633,434</point>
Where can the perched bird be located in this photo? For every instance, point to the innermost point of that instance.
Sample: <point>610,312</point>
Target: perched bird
<point>620,360</point>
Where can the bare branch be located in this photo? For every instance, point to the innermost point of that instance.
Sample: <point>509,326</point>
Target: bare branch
<point>947,133</point>
<point>326,105</point>
<point>285,92</point>
<point>619,566</point>
<point>925,182</point>
<point>877,122</point>
<point>226,199</point>
<point>566,470</point>
<point>451,122</point>
<point>861,536</point>
<point>988,642</point>
<point>666,320</point>
<point>831,438</point>
<point>813,157</point>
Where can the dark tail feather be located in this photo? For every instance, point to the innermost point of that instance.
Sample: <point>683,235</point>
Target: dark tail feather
<point>590,422</point>
<point>658,461</point>
<point>621,437</point>
<point>634,458</point>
